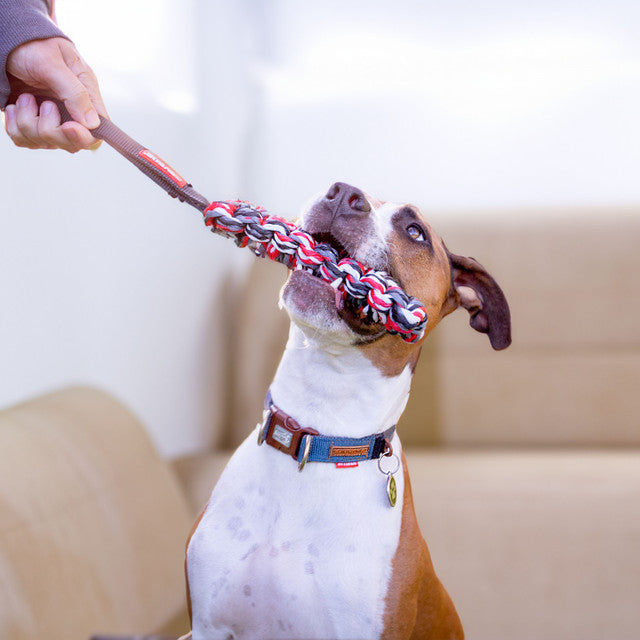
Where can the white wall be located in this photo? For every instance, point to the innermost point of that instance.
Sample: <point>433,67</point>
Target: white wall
<point>106,280</point>
<point>455,106</point>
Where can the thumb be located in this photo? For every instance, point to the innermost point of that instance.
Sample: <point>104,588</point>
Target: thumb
<point>73,82</point>
<point>73,93</point>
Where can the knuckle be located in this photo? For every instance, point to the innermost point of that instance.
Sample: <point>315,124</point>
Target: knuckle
<point>23,143</point>
<point>19,138</point>
<point>11,128</point>
<point>77,65</point>
<point>86,75</point>
<point>46,129</point>
<point>26,125</point>
<point>52,138</point>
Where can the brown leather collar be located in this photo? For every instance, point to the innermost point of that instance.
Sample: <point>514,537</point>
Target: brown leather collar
<point>305,444</point>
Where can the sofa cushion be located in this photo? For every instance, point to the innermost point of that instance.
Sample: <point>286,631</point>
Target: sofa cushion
<point>92,521</point>
<point>530,544</point>
<point>570,376</point>
<point>536,544</point>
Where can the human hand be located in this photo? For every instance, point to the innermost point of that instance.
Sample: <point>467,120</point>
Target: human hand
<point>53,67</point>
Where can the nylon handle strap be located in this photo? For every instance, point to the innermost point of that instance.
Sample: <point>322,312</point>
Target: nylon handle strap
<point>152,165</point>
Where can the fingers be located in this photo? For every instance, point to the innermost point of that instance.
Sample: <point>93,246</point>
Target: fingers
<point>41,129</point>
<point>21,123</point>
<point>55,66</point>
<point>70,136</point>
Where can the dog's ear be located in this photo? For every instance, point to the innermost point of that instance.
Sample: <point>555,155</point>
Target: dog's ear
<point>475,290</point>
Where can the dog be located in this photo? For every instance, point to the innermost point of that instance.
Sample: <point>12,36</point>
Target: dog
<point>305,548</point>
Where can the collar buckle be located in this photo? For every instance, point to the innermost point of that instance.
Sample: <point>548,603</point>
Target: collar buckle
<point>282,432</point>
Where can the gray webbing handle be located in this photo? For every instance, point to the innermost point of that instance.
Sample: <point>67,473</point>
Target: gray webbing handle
<point>148,162</point>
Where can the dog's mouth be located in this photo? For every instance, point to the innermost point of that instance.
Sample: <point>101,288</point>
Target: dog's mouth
<point>326,237</point>
<point>347,309</point>
<point>358,323</point>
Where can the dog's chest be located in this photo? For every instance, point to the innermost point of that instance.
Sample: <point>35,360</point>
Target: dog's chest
<point>282,554</point>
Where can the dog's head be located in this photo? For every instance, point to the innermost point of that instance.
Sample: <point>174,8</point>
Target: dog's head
<point>394,238</point>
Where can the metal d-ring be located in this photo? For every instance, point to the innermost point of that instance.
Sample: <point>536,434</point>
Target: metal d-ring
<point>389,454</point>
<point>263,427</point>
<point>306,441</point>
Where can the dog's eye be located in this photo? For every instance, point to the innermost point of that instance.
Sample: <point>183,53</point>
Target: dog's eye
<point>416,233</point>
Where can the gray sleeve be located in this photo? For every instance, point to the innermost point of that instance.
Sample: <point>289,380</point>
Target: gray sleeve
<point>20,22</point>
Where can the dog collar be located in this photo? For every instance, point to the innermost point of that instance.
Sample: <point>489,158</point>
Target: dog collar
<point>304,444</point>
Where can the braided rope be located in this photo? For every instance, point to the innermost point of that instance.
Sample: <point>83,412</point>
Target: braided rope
<point>374,295</point>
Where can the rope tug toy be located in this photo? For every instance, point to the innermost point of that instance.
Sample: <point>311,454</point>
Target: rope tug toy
<point>373,295</point>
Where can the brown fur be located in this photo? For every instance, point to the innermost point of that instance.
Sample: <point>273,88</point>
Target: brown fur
<point>417,607</point>
<point>433,277</point>
<point>424,275</point>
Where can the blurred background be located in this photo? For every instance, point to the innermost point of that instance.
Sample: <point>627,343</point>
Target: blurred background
<point>513,125</point>
<point>496,108</point>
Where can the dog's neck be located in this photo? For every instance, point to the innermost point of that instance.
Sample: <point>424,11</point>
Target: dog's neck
<point>335,389</point>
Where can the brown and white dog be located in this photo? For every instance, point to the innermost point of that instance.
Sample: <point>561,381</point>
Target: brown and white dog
<point>322,554</point>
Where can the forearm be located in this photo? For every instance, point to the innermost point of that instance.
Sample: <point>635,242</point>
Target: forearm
<point>21,21</point>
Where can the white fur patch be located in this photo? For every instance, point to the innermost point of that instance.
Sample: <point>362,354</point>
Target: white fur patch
<point>283,554</point>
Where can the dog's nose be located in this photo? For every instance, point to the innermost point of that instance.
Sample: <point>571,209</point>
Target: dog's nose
<point>343,199</point>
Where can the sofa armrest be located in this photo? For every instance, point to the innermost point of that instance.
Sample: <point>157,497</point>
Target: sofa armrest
<point>92,521</point>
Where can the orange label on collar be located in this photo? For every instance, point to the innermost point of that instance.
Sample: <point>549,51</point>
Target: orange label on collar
<point>347,452</point>
<point>346,465</point>
<point>162,166</point>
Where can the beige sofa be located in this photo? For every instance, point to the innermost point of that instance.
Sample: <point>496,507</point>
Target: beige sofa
<point>525,464</point>
<point>92,522</point>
